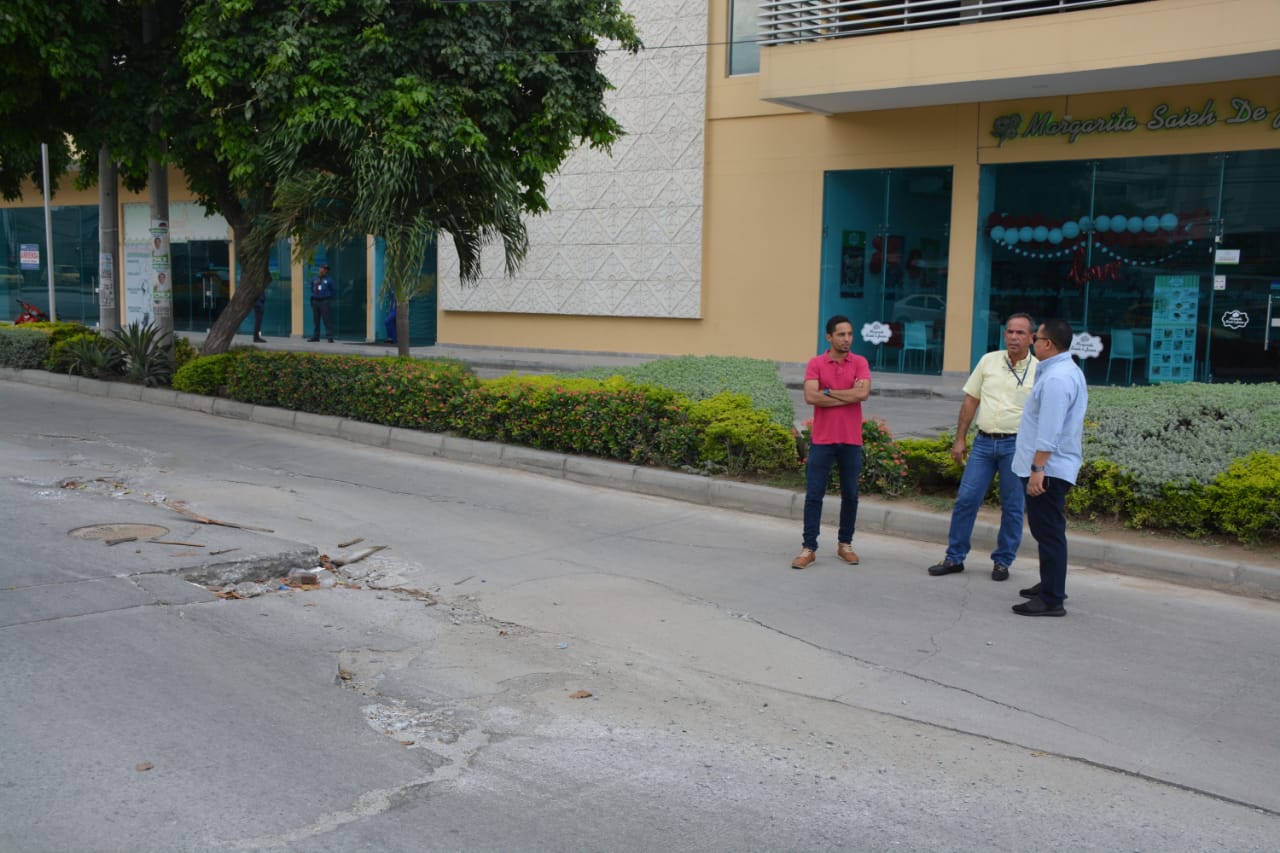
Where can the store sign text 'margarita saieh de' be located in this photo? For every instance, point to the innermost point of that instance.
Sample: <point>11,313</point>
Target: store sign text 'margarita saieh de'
<point>1163,117</point>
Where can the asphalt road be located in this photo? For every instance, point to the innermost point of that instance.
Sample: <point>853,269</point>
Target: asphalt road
<point>735,704</point>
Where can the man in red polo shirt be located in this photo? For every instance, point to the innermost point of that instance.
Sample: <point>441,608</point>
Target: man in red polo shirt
<point>835,384</point>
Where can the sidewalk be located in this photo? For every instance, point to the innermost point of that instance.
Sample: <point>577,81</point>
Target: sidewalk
<point>1259,578</point>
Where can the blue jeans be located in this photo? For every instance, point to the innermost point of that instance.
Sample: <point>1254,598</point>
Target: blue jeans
<point>818,470</point>
<point>1047,518</point>
<point>986,457</point>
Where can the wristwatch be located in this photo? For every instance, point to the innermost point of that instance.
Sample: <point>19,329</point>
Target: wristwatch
<point>826,392</point>
<point>1037,469</point>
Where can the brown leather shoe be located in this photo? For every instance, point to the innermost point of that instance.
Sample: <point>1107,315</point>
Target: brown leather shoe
<point>845,552</point>
<point>805,559</point>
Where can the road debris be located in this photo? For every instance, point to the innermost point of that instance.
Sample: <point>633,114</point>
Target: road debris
<point>351,542</point>
<point>339,562</point>
<point>120,540</point>
<point>580,694</point>
<point>177,506</point>
<point>143,766</point>
<point>175,542</point>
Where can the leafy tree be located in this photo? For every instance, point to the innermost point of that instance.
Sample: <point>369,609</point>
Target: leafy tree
<point>79,75</point>
<point>323,120</point>
<point>405,119</point>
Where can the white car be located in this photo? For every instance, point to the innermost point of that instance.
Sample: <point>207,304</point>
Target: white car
<point>920,306</point>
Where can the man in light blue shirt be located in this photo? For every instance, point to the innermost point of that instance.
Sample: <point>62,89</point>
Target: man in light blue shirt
<point>1047,459</point>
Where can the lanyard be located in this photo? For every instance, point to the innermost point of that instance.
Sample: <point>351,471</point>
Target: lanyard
<point>1009,363</point>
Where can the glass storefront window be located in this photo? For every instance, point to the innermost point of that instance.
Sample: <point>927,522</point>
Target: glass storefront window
<point>278,312</point>
<point>1132,252</point>
<point>347,266</point>
<point>884,258</point>
<point>75,261</point>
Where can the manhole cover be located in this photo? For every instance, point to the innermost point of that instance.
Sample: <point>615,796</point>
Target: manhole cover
<point>118,530</point>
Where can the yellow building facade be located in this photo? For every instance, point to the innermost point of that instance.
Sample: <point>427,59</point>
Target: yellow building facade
<point>1126,92</point>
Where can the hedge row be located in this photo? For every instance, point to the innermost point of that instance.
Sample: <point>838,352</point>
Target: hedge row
<point>1201,440</point>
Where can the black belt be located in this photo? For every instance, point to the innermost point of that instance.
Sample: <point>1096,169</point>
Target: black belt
<point>997,434</point>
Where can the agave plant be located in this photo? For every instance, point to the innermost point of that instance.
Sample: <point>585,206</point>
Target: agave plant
<point>148,353</point>
<point>88,355</point>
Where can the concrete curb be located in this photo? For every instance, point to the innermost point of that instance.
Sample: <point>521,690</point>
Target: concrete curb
<point>874,515</point>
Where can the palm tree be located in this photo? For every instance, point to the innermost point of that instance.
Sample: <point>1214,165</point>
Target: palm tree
<point>407,200</point>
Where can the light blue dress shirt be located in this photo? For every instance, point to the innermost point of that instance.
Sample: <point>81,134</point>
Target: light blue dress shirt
<point>1053,420</point>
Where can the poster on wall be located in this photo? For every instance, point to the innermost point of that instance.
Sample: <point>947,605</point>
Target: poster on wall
<point>137,284</point>
<point>1175,304</point>
<point>29,256</point>
<point>853,259</point>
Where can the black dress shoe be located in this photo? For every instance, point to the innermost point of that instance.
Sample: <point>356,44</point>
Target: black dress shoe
<point>1037,607</point>
<point>259,340</point>
<point>999,572</point>
<point>330,340</point>
<point>313,340</point>
<point>1030,592</point>
<point>946,567</point>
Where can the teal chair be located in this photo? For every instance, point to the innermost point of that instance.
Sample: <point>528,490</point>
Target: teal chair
<point>915,338</point>
<point>1123,349</point>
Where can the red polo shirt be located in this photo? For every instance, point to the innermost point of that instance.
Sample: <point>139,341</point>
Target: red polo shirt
<point>837,424</point>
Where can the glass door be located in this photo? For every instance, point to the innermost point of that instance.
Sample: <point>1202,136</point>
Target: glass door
<point>201,282</point>
<point>1243,317</point>
<point>886,239</point>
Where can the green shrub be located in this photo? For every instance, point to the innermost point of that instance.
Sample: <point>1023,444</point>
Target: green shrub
<point>1180,434</point>
<point>930,467</point>
<point>1182,507</point>
<point>392,391</point>
<point>740,438</point>
<point>1102,489</point>
<point>610,418</point>
<point>884,464</point>
<point>58,331</point>
<point>703,377</point>
<point>61,330</point>
<point>1246,497</point>
<point>23,347</point>
<point>183,352</point>
<point>204,374</point>
<point>147,351</point>
<point>87,354</point>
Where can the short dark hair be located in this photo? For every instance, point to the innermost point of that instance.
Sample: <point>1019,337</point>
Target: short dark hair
<point>1059,331</point>
<point>1021,315</point>
<point>836,321</point>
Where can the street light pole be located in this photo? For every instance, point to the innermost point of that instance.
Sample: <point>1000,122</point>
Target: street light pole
<point>48,230</point>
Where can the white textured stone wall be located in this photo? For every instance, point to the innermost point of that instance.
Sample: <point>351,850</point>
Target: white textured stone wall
<point>623,237</point>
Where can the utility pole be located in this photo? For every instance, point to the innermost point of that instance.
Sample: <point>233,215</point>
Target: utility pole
<point>108,243</point>
<point>161,274</point>
<point>158,187</point>
<point>48,231</point>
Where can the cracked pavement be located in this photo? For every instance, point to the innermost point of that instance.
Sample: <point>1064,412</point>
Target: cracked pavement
<point>425,702</point>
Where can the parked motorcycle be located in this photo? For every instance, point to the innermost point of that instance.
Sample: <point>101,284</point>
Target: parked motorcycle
<point>30,314</point>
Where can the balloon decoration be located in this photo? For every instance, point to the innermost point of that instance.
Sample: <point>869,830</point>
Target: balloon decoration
<point>1128,239</point>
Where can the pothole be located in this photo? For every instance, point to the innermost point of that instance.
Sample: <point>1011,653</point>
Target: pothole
<point>118,530</point>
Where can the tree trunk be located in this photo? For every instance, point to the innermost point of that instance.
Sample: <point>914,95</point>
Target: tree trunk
<point>402,327</point>
<point>253,271</point>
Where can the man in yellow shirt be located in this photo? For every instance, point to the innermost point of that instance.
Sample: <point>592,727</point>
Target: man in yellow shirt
<point>996,391</point>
